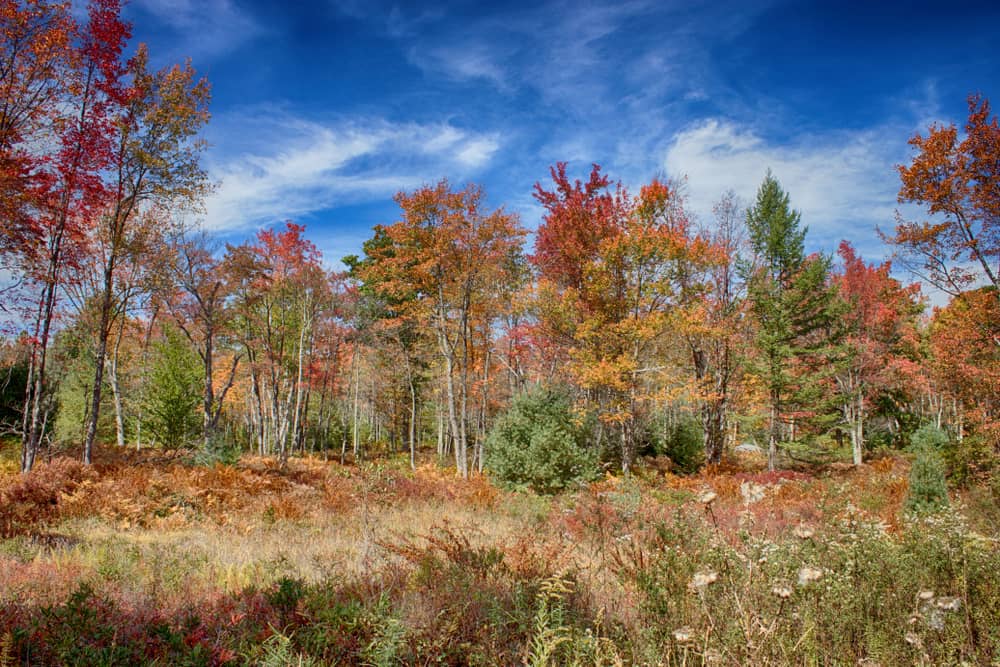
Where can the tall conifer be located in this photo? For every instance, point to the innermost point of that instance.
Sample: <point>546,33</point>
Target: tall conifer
<point>795,307</point>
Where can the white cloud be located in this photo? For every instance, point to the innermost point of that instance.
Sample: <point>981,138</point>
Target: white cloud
<point>462,62</point>
<point>207,27</point>
<point>282,166</point>
<point>477,151</point>
<point>843,183</point>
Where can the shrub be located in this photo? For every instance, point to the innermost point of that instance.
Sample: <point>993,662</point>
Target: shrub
<point>928,491</point>
<point>684,442</point>
<point>218,451</point>
<point>539,444</point>
<point>931,437</point>
<point>174,392</point>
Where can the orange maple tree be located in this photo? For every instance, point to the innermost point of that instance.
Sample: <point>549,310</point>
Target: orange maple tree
<point>445,262</point>
<point>957,179</point>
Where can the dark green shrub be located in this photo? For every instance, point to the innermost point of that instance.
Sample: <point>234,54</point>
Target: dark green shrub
<point>174,392</point>
<point>931,437</point>
<point>684,442</point>
<point>539,444</point>
<point>928,491</point>
<point>217,451</point>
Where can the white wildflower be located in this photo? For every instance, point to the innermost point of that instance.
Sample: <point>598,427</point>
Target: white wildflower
<point>809,574</point>
<point>707,496</point>
<point>926,595</point>
<point>703,579</point>
<point>949,604</point>
<point>912,638</point>
<point>782,592</point>
<point>803,532</point>
<point>712,657</point>
<point>752,492</point>
<point>683,635</point>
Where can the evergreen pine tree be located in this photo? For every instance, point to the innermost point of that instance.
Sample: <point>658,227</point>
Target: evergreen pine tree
<point>173,391</point>
<point>796,310</point>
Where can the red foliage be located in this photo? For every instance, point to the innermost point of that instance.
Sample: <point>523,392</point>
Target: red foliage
<point>579,217</point>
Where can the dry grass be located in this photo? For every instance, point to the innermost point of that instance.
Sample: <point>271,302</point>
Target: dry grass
<point>146,530</point>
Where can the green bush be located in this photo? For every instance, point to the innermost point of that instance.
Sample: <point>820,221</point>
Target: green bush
<point>928,491</point>
<point>538,444</point>
<point>174,392</point>
<point>683,441</point>
<point>218,451</point>
<point>969,460</point>
<point>930,437</point>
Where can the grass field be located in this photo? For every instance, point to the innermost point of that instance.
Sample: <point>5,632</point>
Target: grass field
<point>145,560</point>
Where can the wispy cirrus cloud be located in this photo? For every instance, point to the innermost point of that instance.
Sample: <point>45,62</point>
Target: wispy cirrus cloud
<point>279,166</point>
<point>842,182</point>
<point>463,62</point>
<point>202,28</point>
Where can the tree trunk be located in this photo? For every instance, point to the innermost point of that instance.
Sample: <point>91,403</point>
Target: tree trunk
<point>713,415</point>
<point>297,417</point>
<point>453,417</point>
<point>856,420</point>
<point>440,429</point>
<point>412,432</point>
<point>354,421</point>
<point>209,396</point>
<point>35,387</point>
<point>116,396</point>
<point>772,438</point>
<point>100,357</point>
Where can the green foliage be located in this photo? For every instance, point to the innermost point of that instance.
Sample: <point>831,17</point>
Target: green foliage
<point>279,651</point>
<point>13,377</point>
<point>550,632</point>
<point>173,391</point>
<point>774,231</point>
<point>796,308</point>
<point>928,490</point>
<point>683,440</point>
<point>539,444</point>
<point>389,634</point>
<point>967,460</point>
<point>218,451</point>
<point>929,437</point>
<point>71,372</point>
<point>970,460</point>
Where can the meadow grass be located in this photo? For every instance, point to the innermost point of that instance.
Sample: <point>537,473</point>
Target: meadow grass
<point>327,564</point>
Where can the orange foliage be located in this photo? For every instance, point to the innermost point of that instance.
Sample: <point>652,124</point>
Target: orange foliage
<point>34,500</point>
<point>959,183</point>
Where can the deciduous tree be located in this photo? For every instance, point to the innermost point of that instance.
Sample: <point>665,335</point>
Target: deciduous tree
<point>453,255</point>
<point>71,193</point>
<point>957,180</point>
<point>881,337</point>
<point>155,164</point>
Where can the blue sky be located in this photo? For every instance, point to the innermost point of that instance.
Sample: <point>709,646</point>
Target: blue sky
<point>323,110</point>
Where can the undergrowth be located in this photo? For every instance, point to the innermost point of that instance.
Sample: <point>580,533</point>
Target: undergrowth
<point>726,567</point>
